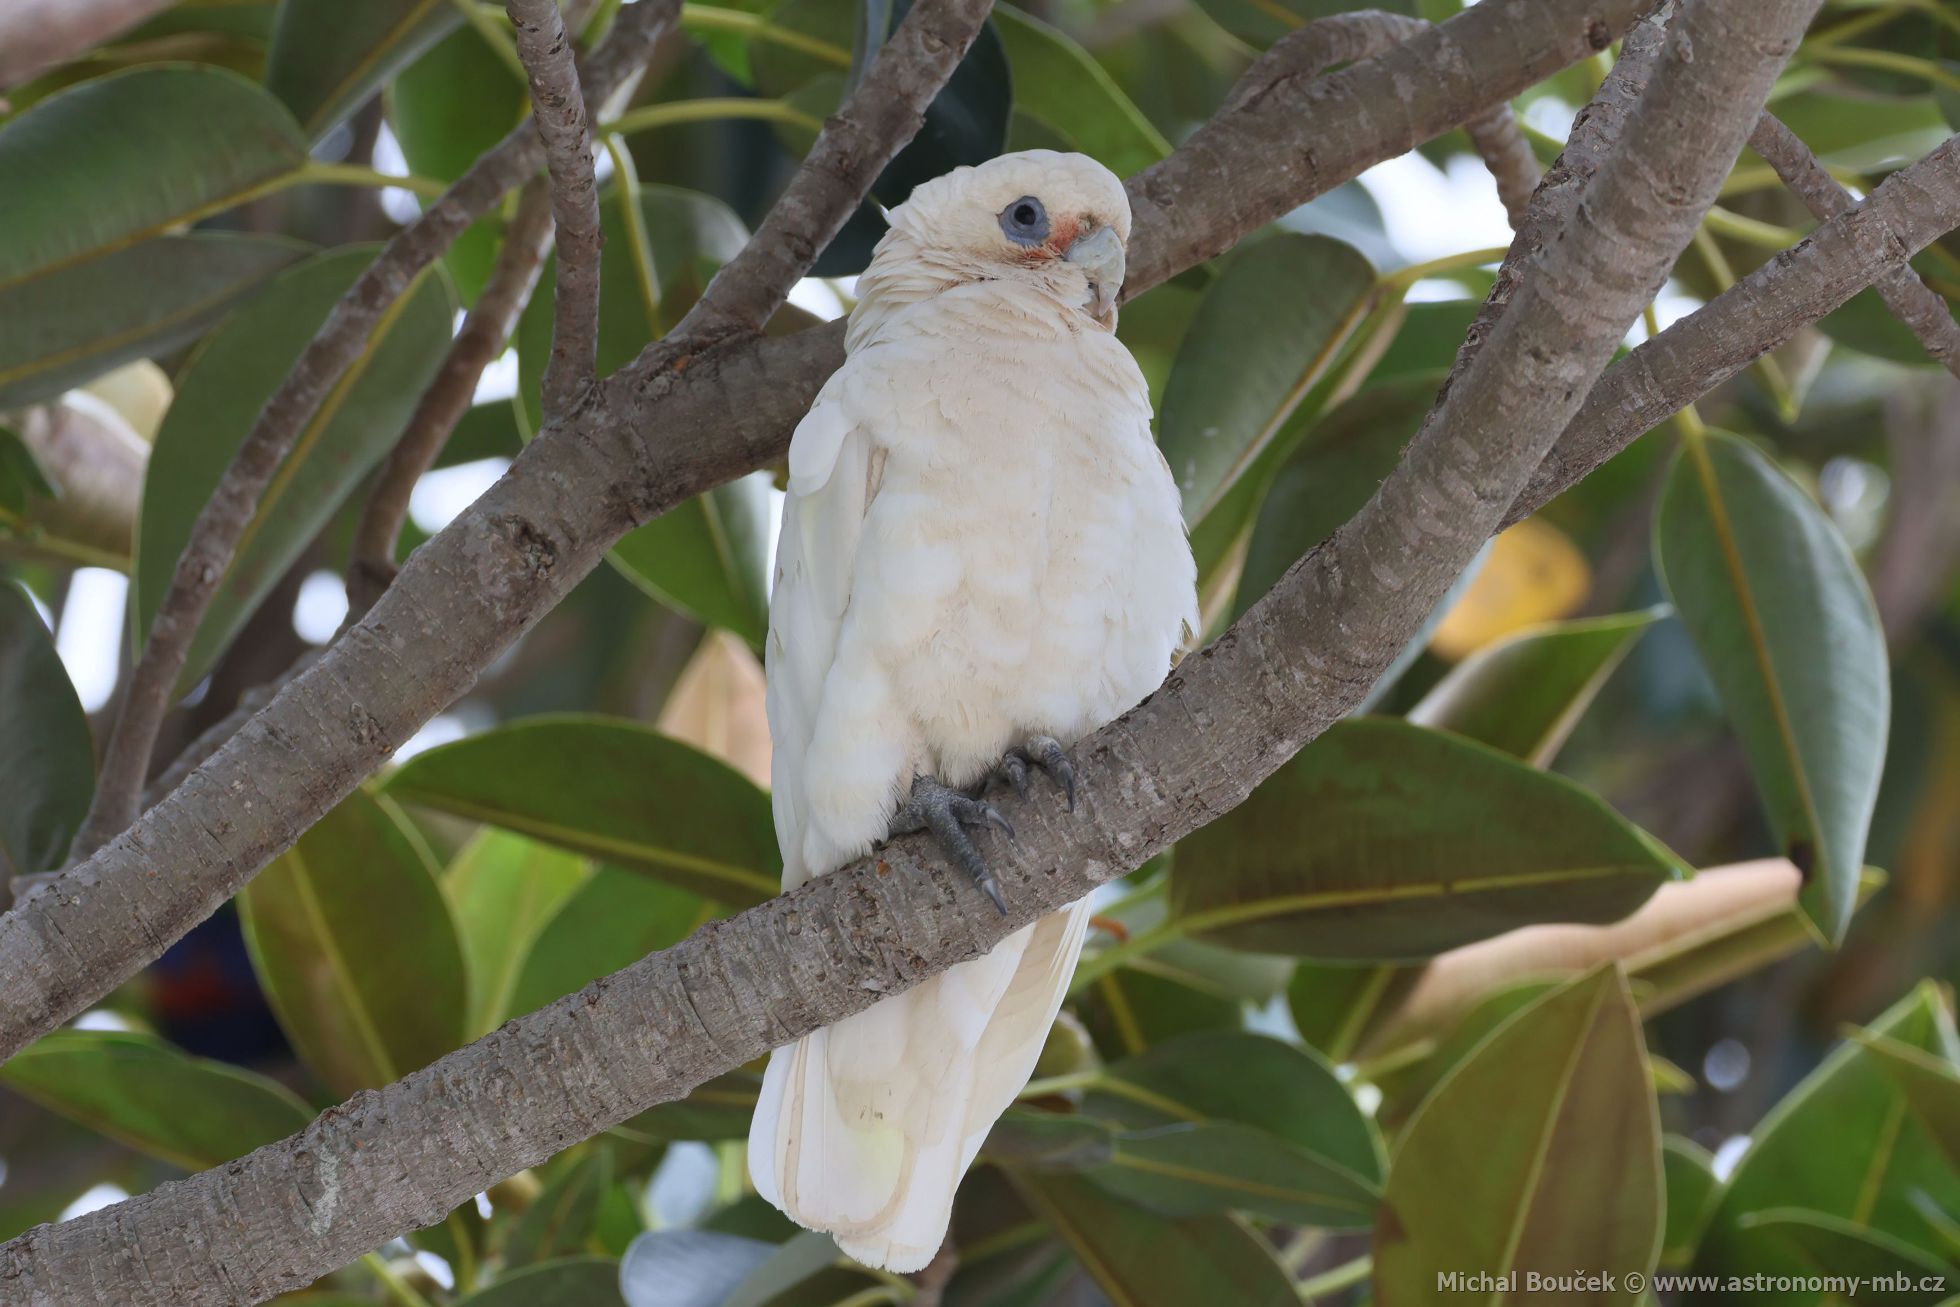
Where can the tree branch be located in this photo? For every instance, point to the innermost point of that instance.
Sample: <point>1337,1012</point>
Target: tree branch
<point>484,334</point>
<point>1912,302</point>
<point>558,109</point>
<point>340,340</point>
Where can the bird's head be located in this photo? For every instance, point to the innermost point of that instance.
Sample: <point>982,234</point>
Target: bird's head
<point>1055,220</point>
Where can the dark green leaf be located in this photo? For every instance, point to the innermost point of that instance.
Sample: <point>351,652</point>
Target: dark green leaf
<point>329,56</point>
<point>47,767</point>
<point>1864,323</point>
<point>1129,1009</point>
<point>1268,328</point>
<point>1061,84</point>
<point>613,790</point>
<point>1887,1272</point>
<point>560,1220</point>
<point>708,557</point>
<point>567,1282</point>
<point>615,919</point>
<point>1049,1141</point>
<point>1786,627</point>
<point>355,947</point>
<point>1210,1168</point>
<point>1541,1153</point>
<point>140,1091</point>
<point>114,161</point>
<point>68,326</point>
<point>219,396</point>
<point>1259,23</point>
<point>503,889</point>
<point>1524,694</point>
<point>1689,1174</point>
<point>718,1110</point>
<point>1138,1257</point>
<point>1382,840</point>
<point>21,479</point>
<point>1334,1006</point>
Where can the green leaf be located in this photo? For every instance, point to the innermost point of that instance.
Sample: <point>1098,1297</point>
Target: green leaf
<point>1048,1141</point>
<point>219,396</point>
<point>1887,1272</point>
<point>112,162</point>
<point>69,326</point>
<point>1382,840</point>
<point>1268,328</point>
<point>567,1282</point>
<point>1137,1257</point>
<point>1688,1171</point>
<point>328,56</point>
<point>1786,627</point>
<point>450,106</point>
<point>560,1220</point>
<point>21,479</point>
<point>1210,1168</point>
<point>1540,1153</point>
<point>1930,1084</point>
<point>1129,1009</point>
<point>718,1110</point>
<point>613,790</point>
<point>1864,323</point>
<point>1259,23</point>
<point>355,948</point>
<point>503,888</point>
<point>1288,1092</point>
<point>615,919</point>
<point>1523,695</point>
<point>1061,84</point>
<point>1844,1143</point>
<point>47,769</point>
<point>708,557</point>
<point>188,1111</point>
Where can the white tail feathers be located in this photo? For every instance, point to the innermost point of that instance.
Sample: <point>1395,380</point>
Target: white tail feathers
<point>865,1129</point>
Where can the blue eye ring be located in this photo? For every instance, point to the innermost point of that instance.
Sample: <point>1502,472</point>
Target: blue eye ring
<point>1025,222</point>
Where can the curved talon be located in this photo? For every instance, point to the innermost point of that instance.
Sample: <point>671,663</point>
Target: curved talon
<point>947,813</point>
<point>1045,752</point>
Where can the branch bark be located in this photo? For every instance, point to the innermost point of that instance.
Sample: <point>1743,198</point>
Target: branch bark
<point>558,108</point>
<point>1227,717</point>
<point>340,340</point>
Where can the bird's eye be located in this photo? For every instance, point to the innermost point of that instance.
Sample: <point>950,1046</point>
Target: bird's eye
<point>1025,222</point>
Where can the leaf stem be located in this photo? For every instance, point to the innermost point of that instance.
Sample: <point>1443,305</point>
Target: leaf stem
<point>709,109</point>
<point>398,1289</point>
<point>715,18</point>
<point>1344,1276</point>
<point>1415,272</point>
<point>1047,1085</point>
<point>1889,61</point>
<point>354,174</point>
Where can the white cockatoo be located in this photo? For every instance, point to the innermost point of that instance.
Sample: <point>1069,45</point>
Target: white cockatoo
<point>982,556</point>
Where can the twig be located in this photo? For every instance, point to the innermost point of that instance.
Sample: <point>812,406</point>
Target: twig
<point>1912,302</point>
<point>484,334</point>
<point>340,340</point>
<point>559,111</point>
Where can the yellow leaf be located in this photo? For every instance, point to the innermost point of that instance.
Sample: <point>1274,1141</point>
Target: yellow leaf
<point>1534,574</point>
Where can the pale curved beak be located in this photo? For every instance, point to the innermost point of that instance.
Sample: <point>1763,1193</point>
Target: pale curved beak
<point>1100,255</point>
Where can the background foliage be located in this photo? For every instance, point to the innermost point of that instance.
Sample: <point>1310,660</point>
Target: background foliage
<point>1441,996</point>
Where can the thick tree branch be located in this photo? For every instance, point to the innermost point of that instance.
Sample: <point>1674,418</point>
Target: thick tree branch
<point>332,351</point>
<point>1224,720</point>
<point>558,108</point>
<point>1912,302</point>
<point>484,334</point>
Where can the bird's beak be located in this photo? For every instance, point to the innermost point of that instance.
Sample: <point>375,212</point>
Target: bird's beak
<point>1100,254</point>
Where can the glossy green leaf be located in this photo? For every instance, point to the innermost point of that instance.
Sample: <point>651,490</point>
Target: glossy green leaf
<point>503,889</point>
<point>114,161</point>
<point>1844,1143</point>
<point>447,108</point>
<point>1524,694</point>
<point>1061,84</point>
<point>1382,840</point>
<point>1282,1090</point>
<point>1782,618</point>
<point>47,768</point>
<point>1049,1141</point>
<point>1210,1168</point>
<point>68,326</point>
<point>1259,23</point>
<point>1138,1257</point>
<point>355,948</point>
<point>219,395</point>
<point>1688,1171</point>
<point>567,1282</point>
<point>1930,1084</point>
<point>22,481</point>
<point>560,1220</point>
<point>1268,328</point>
<point>1864,323</point>
<point>1540,1153</point>
<point>615,919</point>
<point>1129,1009</point>
<point>1334,1006</point>
<point>613,790</point>
<point>189,1111</point>
<point>708,557</point>
<point>1888,1272</point>
<point>328,56</point>
<point>720,1109</point>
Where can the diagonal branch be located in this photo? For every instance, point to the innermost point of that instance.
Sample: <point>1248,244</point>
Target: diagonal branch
<point>1299,658</point>
<point>1912,302</point>
<point>559,111</point>
<point>340,340</point>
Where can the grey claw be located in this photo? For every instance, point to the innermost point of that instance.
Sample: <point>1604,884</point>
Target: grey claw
<point>1045,752</point>
<point>1014,766</point>
<point>947,813</point>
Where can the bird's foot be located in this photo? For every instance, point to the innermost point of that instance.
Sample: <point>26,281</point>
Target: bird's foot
<point>947,813</point>
<point>1045,752</point>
